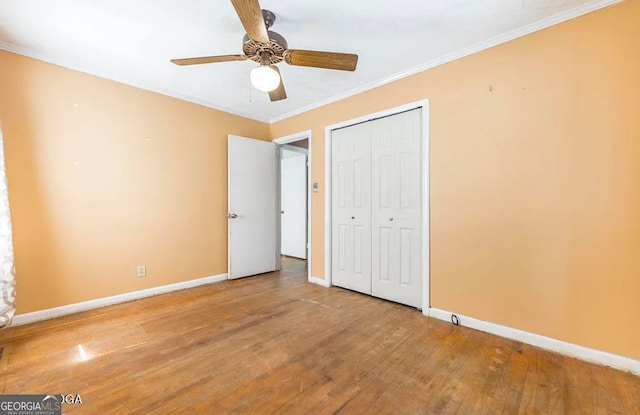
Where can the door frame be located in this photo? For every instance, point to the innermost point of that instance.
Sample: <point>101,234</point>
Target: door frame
<point>424,105</point>
<point>286,140</point>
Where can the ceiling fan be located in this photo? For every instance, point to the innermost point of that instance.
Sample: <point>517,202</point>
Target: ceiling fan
<point>269,48</point>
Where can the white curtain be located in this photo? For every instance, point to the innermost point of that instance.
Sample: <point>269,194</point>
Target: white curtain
<point>7,271</point>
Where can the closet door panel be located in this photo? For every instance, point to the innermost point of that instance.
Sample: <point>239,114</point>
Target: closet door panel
<point>351,207</point>
<point>396,208</point>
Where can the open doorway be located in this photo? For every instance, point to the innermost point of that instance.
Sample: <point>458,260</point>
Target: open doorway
<point>293,201</point>
<point>294,158</point>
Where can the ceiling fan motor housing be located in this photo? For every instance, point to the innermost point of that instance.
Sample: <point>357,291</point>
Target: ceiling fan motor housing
<point>275,48</point>
<point>257,51</point>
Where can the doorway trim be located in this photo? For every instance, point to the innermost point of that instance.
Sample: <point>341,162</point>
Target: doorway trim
<point>291,139</point>
<point>424,105</point>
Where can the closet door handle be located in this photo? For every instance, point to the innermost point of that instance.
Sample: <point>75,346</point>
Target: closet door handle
<point>353,217</point>
<point>390,219</point>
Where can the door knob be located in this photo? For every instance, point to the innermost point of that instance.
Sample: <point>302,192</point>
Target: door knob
<point>353,217</point>
<point>390,219</point>
<point>232,216</point>
<point>282,212</point>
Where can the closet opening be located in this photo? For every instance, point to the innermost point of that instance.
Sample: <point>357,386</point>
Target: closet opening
<point>377,192</point>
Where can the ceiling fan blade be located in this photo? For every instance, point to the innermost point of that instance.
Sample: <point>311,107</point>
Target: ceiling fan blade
<point>251,17</point>
<point>278,93</point>
<point>317,59</point>
<point>208,59</point>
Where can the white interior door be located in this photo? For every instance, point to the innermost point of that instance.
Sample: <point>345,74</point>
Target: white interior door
<point>252,206</point>
<point>396,208</point>
<point>351,207</point>
<point>293,204</point>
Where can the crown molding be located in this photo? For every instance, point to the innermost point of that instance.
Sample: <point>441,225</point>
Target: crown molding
<point>96,72</point>
<point>478,47</point>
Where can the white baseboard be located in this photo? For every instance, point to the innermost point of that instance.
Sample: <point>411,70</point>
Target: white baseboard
<point>64,310</point>
<point>568,349</point>
<point>319,281</point>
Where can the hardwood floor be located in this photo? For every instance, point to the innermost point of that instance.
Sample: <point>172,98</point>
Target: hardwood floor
<point>277,344</point>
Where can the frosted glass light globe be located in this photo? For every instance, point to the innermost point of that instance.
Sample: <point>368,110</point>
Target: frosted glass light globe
<point>265,78</point>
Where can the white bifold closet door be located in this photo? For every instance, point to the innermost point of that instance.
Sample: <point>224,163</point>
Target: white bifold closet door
<point>376,208</point>
<point>351,208</point>
<point>396,208</point>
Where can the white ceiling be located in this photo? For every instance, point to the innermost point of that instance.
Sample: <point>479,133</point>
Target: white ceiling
<point>131,41</point>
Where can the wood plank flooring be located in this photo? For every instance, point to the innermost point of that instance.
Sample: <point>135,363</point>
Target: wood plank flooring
<point>277,344</point>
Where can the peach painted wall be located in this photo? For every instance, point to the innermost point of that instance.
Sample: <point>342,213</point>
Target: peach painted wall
<point>535,184</point>
<point>103,177</point>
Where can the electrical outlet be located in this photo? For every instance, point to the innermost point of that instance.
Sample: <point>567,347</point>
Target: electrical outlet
<point>142,270</point>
